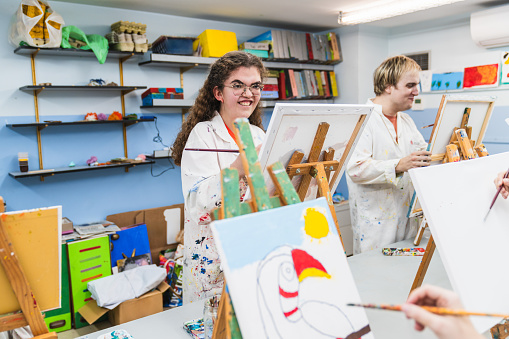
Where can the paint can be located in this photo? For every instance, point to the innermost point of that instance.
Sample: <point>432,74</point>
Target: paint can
<point>23,161</point>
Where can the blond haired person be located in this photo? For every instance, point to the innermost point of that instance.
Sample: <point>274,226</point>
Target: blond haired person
<point>379,186</point>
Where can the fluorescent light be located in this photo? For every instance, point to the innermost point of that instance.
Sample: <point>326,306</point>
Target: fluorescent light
<point>387,9</point>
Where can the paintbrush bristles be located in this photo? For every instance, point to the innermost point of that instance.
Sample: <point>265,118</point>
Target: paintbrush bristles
<point>432,309</point>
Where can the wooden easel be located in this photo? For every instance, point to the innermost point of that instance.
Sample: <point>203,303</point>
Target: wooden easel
<point>461,138</point>
<point>321,170</point>
<point>31,314</point>
<point>226,325</point>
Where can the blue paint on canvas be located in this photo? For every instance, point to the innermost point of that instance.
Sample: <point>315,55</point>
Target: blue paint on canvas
<point>447,81</point>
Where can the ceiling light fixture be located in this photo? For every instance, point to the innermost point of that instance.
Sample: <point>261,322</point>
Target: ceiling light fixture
<point>387,9</point>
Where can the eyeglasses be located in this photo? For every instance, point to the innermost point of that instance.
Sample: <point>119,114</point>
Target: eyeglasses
<point>240,88</point>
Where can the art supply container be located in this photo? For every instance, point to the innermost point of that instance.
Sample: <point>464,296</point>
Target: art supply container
<point>23,161</point>
<point>210,315</point>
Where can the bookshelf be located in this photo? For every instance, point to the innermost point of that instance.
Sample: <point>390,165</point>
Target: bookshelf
<point>185,63</point>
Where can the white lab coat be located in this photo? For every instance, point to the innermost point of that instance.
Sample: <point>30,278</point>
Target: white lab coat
<point>379,199</point>
<point>201,186</point>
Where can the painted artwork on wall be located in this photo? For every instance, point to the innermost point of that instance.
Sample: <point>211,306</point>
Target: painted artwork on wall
<point>291,279</point>
<point>504,69</point>
<point>447,81</point>
<point>481,76</point>
<point>455,198</point>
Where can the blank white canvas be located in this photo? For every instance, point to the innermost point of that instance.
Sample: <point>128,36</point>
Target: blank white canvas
<point>172,218</point>
<point>455,198</point>
<point>293,127</point>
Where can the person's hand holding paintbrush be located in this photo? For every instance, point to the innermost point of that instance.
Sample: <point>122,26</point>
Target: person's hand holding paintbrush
<point>502,180</point>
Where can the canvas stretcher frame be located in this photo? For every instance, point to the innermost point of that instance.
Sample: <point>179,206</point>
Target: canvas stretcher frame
<point>449,116</point>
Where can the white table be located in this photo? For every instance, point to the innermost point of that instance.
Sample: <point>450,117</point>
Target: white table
<point>379,279</point>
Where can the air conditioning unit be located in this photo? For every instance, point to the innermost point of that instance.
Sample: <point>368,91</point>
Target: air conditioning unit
<point>490,28</point>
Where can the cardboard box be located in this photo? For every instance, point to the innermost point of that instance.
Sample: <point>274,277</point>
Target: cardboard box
<point>216,43</point>
<point>148,304</point>
<point>161,232</point>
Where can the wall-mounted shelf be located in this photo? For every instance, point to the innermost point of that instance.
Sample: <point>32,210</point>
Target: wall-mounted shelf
<point>26,50</point>
<point>178,61</point>
<point>272,103</point>
<point>36,89</point>
<point>123,89</point>
<point>50,172</point>
<point>42,125</point>
<point>175,103</point>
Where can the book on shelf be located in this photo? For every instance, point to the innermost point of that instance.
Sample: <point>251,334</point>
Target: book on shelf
<point>263,46</point>
<point>272,38</point>
<point>284,44</point>
<point>258,52</point>
<point>293,83</point>
<point>334,84</point>
<point>325,83</point>
<point>309,46</point>
<point>282,84</point>
<point>319,85</point>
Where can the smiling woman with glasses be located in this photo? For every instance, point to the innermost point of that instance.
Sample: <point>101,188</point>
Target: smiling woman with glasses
<point>232,90</point>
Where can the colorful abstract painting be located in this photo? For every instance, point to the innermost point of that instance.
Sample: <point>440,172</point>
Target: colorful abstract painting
<point>504,69</point>
<point>481,76</point>
<point>287,274</point>
<point>447,81</point>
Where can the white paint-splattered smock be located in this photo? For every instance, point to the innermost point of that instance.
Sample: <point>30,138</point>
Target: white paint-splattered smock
<point>379,199</point>
<point>201,186</point>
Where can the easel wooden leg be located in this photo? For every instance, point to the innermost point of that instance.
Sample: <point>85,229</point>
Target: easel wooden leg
<point>423,267</point>
<point>323,189</point>
<point>314,154</point>
<point>420,231</point>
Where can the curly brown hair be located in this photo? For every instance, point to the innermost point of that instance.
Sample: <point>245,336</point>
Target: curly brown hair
<point>206,104</point>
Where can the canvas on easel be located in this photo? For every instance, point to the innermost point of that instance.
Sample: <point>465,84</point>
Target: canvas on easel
<point>30,267</point>
<point>290,279</point>
<point>35,236</point>
<point>449,116</point>
<point>293,127</point>
<point>455,199</point>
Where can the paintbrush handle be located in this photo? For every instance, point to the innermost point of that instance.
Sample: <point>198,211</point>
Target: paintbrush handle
<point>212,150</point>
<point>432,309</point>
<point>499,190</point>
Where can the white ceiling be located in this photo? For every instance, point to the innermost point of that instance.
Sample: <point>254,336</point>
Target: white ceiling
<point>303,15</point>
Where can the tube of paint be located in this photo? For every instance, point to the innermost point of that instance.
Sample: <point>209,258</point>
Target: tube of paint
<point>465,145</point>
<point>453,155</point>
<point>481,150</point>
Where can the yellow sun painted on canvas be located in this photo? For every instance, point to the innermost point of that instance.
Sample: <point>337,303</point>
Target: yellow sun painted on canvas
<point>315,223</point>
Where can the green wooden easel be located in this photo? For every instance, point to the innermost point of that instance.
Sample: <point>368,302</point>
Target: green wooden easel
<point>226,325</point>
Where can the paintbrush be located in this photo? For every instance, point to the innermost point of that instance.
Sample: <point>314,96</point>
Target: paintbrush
<point>496,195</point>
<point>212,150</point>
<point>432,309</point>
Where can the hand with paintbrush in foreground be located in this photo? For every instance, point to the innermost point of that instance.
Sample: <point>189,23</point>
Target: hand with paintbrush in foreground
<point>444,326</point>
<point>502,181</point>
